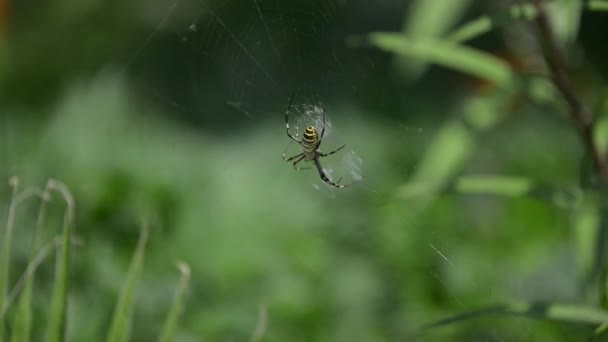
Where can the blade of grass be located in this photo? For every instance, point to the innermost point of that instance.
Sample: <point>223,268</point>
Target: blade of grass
<point>261,325</point>
<point>16,199</point>
<point>41,256</point>
<point>447,54</point>
<point>57,323</point>
<point>175,312</point>
<point>6,247</point>
<point>22,326</point>
<point>547,311</point>
<point>121,321</point>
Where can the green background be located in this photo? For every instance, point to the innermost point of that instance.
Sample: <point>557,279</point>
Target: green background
<point>473,193</point>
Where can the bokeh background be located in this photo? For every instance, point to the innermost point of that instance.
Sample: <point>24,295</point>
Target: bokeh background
<point>172,112</point>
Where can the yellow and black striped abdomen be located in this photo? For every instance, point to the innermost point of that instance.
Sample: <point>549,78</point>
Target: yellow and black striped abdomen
<point>310,139</point>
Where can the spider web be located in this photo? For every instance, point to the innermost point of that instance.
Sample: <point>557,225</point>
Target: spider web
<point>344,166</point>
<point>259,53</point>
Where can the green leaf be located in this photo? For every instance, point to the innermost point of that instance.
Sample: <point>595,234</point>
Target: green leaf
<point>175,312</point>
<point>488,23</point>
<point>586,225</point>
<point>451,146</point>
<point>261,325</point>
<point>5,255</point>
<point>565,20</point>
<point>121,320</point>
<point>597,5</point>
<point>447,54</point>
<point>541,310</point>
<point>599,332</point>
<point>480,113</point>
<point>57,324</point>
<point>428,20</point>
<point>432,18</point>
<point>494,185</point>
<point>600,132</point>
<point>22,327</point>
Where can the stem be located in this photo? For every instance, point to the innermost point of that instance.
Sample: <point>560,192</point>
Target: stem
<point>582,117</point>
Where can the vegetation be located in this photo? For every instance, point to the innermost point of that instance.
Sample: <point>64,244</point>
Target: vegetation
<point>138,136</point>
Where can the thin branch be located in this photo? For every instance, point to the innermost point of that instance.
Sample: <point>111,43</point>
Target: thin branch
<point>580,114</point>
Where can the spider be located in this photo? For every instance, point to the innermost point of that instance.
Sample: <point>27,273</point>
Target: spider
<point>310,144</point>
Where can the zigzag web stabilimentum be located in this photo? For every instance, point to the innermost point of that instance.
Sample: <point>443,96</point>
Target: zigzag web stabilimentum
<point>345,166</point>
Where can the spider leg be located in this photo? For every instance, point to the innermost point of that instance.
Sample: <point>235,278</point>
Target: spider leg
<point>326,179</point>
<point>322,130</point>
<point>321,154</point>
<point>287,120</point>
<point>292,158</point>
<point>299,160</point>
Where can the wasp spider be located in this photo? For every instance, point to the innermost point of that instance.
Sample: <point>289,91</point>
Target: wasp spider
<point>311,141</point>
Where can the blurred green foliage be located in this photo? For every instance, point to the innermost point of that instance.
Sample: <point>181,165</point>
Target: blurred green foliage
<point>476,190</point>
